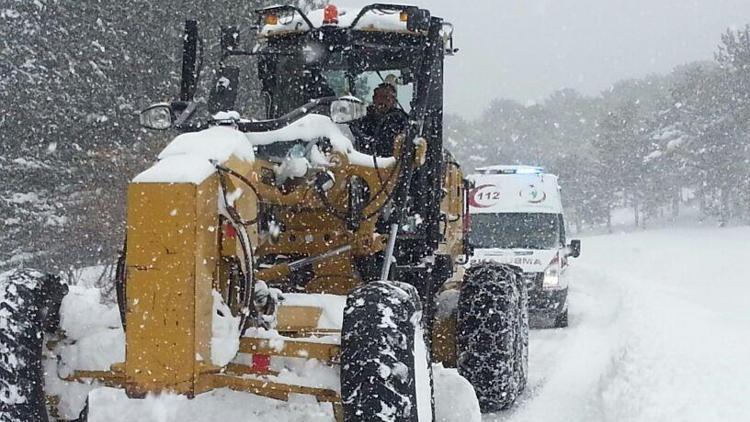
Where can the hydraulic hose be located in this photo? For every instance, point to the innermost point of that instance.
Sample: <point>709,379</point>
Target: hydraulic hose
<point>240,226</point>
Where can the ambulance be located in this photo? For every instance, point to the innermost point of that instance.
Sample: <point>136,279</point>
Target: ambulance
<point>516,218</point>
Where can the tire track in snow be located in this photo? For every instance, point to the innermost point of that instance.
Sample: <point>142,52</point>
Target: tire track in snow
<point>659,333</point>
<point>569,367</point>
<point>675,364</point>
<point>685,326</point>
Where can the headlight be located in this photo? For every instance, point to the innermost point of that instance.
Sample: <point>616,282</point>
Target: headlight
<point>157,116</point>
<point>347,109</point>
<point>552,274</point>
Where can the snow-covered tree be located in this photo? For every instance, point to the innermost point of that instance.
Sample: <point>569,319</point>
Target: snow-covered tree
<point>644,143</point>
<point>73,76</point>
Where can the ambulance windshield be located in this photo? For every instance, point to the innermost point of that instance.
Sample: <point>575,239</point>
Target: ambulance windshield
<point>515,231</point>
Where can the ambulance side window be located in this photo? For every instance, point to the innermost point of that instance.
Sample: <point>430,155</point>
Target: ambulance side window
<point>561,224</point>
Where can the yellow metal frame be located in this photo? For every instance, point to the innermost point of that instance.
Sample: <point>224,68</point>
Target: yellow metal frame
<point>235,376</point>
<point>178,252</point>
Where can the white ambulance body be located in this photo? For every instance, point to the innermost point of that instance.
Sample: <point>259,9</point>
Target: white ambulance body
<point>517,218</point>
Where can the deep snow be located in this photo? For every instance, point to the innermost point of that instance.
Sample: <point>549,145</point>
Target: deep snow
<point>659,324</point>
<point>659,331</point>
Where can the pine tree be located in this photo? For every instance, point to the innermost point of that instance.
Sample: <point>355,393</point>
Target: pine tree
<point>73,76</point>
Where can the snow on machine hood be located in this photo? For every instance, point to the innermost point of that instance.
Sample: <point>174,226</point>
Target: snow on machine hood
<point>187,159</point>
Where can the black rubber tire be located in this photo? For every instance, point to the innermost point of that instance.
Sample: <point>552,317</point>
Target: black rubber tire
<point>562,319</point>
<point>492,334</point>
<point>522,341</point>
<point>29,306</point>
<point>378,371</point>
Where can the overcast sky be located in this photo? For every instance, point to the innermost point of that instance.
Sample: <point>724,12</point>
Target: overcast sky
<point>525,49</point>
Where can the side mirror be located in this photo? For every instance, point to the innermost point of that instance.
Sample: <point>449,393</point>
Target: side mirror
<point>575,248</point>
<point>189,77</point>
<point>447,33</point>
<point>158,117</point>
<point>347,109</point>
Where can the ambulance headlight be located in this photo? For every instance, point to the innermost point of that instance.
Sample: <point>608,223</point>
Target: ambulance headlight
<point>552,274</point>
<point>551,278</point>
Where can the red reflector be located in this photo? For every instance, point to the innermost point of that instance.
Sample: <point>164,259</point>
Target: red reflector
<point>229,231</point>
<point>261,364</point>
<point>555,259</point>
<point>330,15</point>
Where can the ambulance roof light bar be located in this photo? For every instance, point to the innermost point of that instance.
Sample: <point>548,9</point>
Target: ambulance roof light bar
<point>510,170</point>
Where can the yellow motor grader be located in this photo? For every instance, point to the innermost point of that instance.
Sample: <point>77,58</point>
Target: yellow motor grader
<point>272,218</point>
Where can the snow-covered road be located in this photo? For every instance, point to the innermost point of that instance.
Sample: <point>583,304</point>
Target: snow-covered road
<point>659,331</point>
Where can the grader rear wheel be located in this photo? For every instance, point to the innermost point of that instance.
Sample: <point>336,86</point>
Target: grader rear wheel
<point>29,306</point>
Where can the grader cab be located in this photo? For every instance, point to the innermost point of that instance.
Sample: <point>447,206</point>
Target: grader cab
<point>316,249</point>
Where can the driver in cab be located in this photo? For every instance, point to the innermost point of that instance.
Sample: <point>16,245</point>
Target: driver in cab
<point>384,121</point>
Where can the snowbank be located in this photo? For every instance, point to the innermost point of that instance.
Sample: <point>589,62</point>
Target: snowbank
<point>225,339</point>
<point>83,313</point>
<point>455,400</point>
<point>112,405</point>
<point>94,340</point>
<point>421,370</point>
<point>306,372</point>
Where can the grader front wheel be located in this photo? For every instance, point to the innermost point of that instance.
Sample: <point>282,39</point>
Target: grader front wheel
<point>385,367</point>
<point>492,334</point>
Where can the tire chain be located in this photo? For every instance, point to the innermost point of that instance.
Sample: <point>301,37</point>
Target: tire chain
<point>490,339</point>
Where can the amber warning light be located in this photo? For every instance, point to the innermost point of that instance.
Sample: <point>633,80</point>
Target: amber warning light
<point>272,19</point>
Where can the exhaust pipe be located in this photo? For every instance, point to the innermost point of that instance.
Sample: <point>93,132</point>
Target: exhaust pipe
<point>189,59</point>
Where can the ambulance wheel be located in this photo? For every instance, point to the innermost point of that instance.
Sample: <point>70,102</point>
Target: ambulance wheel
<point>562,319</point>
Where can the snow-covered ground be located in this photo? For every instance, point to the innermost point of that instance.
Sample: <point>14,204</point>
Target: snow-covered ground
<point>659,331</point>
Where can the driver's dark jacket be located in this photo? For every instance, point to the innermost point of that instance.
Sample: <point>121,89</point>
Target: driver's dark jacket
<point>377,132</point>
